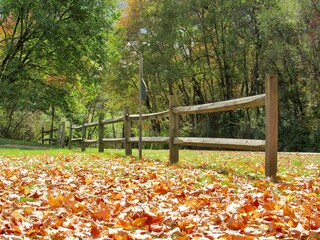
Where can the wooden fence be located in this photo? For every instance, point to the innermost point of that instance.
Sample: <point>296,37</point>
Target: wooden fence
<point>269,145</point>
<point>59,138</point>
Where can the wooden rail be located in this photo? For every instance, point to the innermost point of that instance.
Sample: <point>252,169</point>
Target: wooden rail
<point>229,143</point>
<point>150,116</point>
<point>240,103</point>
<point>126,118</point>
<point>60,135</point>
<point>269,145</point>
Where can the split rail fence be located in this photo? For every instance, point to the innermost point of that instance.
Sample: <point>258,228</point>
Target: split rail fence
<point>269,145</point>
<point>59,138</point>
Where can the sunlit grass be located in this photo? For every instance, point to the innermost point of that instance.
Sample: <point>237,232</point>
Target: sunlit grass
<point>238,163</point>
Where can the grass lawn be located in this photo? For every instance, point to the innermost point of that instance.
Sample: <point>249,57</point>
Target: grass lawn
<point>60,193</point>
<point>6,141</point>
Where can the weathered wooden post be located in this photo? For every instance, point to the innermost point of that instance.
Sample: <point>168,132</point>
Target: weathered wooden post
<point>271,126</point>
<point>42,135</point>
<point>173,130</point>
<point>63,132</point>
<point>70,136</point>
<point>101,132</point>
<point>50,137</point>
<point>127,132</point>
<point>51,130</point>
<point>58,136</point>
<point>84,134</point>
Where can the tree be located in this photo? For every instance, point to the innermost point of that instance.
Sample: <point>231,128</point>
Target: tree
<point>52,52</point>
<point>205,51</point>
<point>290,51</point>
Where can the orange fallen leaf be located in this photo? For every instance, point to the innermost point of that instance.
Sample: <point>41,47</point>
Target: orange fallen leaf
<point>288,211</point>
<point>102,215</point>
<point>236,222</point>
<point>272,229</point>
<point>56,202</point>
<point>117,196</point>
<point>139,222</point>
<point>17,216</point>
<point>162,187</point>
<point>58,223</point>
<point>95,231</point>
<point>124,224</point>
<point>120,236</point>
<point>28,210</point>
<point>23,190</point>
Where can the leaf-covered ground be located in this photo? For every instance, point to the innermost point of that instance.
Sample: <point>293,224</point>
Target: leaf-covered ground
<point>79,196</point>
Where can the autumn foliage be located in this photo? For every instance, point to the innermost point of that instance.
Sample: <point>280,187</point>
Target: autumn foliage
<point>91,197</point>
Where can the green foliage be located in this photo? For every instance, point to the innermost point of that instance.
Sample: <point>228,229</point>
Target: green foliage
<point>53,53</point>
<point>65,54</point>
<point>206,51</point>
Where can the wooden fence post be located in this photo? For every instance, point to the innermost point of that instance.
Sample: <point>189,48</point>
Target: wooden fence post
<point>271,154</point>
<point>63,132</point>
<point>42,135</point>
<point>50,137</point>
<point>84,134</point>
<point>127,132</point>
<point>101,132</point>
<point>58,136</point>
<point>70,136</point>
<point>173,130</point>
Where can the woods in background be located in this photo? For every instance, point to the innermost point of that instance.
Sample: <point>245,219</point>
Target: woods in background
<point>81,58</point>
<point>52,54</point>
<point>206,51</point>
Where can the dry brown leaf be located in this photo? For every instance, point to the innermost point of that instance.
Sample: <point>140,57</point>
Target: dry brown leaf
<point>236,222</point>
<point>102,215</point>
<point>95,231</point>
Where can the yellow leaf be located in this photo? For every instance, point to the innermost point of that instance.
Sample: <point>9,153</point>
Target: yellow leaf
<point>23,190</point>
<point>28,210</point>
<point>116,196</point>
<point>56,202</point>
<point>120,236</point>
<point>288,211</point>
<point>124,224</point>
<point>89,180</point>
<point>283,177</point>
<point>139,222</point>
<point>17,216</point>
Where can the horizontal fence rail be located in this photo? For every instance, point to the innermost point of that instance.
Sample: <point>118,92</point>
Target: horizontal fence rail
<point>240,103</point>
<point>229,143</point>
<point>150,116</point>
<point>269,145</point>
<point>60,135</point>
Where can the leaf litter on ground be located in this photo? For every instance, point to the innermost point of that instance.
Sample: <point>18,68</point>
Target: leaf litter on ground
<point>80,196</point>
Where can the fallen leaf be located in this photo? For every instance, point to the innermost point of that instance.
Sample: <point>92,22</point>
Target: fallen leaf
<point>139,222</point>
<point>56,202</point>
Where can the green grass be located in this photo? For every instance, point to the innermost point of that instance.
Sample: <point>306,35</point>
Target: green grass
<point>243,164</point>
<point>27,199</point>
<point>6,141</point>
